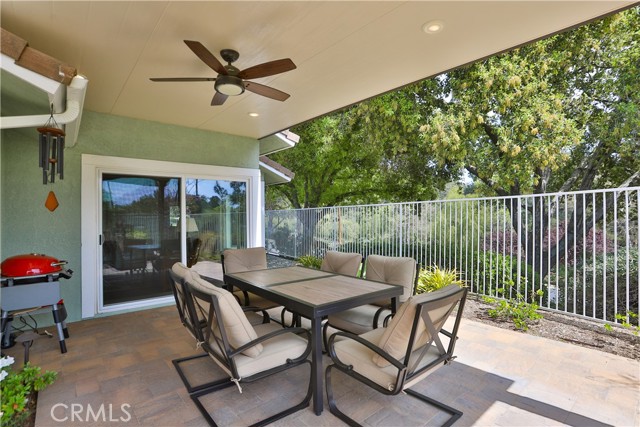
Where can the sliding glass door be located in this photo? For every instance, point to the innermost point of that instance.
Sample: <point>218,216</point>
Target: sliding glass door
<point>140,236</point>
<point>139,217</point>
<point>142,231</point>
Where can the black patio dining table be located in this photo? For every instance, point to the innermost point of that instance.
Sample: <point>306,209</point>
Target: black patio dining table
<point>313,294</point>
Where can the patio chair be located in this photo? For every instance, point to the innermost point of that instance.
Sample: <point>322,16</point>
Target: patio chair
<point>347,263</point>
<point>244,352</point>
<point>394,358</point>
<point>248,259</point>
<point>393,270</point>
<point>196,323</point>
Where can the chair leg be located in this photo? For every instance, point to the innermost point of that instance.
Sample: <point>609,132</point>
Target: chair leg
<point>333,408</point>
<point>192,389</point>
<point>303,404</point>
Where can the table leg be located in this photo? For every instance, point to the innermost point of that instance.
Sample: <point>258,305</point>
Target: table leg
<point>316,364</point>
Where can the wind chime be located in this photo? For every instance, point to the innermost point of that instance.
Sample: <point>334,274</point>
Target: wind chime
<point>51,156</point>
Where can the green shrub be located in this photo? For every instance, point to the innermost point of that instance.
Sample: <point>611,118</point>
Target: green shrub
<point>517,309</point>
<point>310,261</point>
<point>434,278</point>
<point>17,388</point>
<point>586,280</point>
<point>491,271</point>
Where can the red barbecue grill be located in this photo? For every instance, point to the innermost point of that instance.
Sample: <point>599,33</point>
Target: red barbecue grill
<point>32,281</point>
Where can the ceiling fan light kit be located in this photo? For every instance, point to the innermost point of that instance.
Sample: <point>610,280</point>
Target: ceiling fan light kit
<point>231,81</point>
<point>229,85</point>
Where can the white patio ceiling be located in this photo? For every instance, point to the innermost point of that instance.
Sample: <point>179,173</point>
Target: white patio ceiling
<point>345,51</point>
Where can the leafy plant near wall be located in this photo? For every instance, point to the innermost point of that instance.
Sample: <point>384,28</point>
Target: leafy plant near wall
<point>19,390</point>
<point>434,278</point>
<point>626,322</point>
<point>517,309</point>
<point>310,261</point>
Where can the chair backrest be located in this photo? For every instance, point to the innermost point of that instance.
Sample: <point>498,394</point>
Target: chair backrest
<point>227,326</point>
<point>238,260</point>
<point>194,252</point>
<point>416,327</point>
<point>347,263</point>
<point>394,271</point>
<point>179,275</point>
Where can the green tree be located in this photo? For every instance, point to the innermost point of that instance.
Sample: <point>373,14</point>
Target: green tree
<point>560,114</point>
<point>557,115</point>
<point>336,163</point>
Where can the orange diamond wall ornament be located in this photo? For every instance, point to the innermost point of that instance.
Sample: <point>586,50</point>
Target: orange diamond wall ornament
<point>52,202</point>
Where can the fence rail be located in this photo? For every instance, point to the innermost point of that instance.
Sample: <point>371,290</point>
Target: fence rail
<point>580,249</point>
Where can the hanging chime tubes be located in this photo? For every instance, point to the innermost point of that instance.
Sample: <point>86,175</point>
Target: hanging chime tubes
<point>51,158</point>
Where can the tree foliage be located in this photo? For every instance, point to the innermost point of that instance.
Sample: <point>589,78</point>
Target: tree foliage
<point>340,159</point>
<point>556,115</point>
<point>559,114</point>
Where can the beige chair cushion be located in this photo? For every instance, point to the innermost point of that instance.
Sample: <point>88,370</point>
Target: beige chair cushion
<point>393,270</point>
<point>361,358</point>
<point>395,339</point>
<point>275,351</point>
<point>357,320</point>
<point>238,260</point>
<point>237,327</point>
<point>182,271</point>
<point>346,263</point>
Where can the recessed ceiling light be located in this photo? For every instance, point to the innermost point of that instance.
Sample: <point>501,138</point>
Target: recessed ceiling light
<point>433,27</point>
<point>254,114</point>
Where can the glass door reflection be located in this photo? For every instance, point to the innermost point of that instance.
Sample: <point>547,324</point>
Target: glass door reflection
<point>140,236</point>
<point>216,219</point>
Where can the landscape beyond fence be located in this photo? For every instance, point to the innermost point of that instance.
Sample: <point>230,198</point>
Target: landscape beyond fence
<point>580,248</point>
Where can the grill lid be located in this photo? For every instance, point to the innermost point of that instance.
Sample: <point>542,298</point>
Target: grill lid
<point>30,265</point>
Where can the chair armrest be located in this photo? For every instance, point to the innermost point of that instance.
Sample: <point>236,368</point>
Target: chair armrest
<point>273,334</point>
<point>334,357</point>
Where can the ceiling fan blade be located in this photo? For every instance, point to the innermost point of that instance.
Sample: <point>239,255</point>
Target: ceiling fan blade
<point>182,79</point>
<point>206,56</point>
<point>267,69</point>
<point>218,99</point>
<point>267,91</point>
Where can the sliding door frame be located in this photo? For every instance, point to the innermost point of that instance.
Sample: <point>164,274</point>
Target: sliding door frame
<point>91,216</point>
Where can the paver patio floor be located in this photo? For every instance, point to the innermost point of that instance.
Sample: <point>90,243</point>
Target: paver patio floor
<point>123,364</point>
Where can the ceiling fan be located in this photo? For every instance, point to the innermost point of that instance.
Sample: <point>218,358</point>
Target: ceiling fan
<point>230,80</point>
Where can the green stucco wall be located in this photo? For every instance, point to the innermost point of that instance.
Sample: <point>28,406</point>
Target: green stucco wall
<point>27,226</point>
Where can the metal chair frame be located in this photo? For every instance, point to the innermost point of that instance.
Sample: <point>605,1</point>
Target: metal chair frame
<point>225,355</point>
<point>181,295</point>
<point>406,367</point>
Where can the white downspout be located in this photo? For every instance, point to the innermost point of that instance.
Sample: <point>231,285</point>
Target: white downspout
<point>70,117</point>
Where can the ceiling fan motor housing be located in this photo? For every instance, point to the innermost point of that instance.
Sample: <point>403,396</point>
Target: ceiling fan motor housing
<point>229,55</point>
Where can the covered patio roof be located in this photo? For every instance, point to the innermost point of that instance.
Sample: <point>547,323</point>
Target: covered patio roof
<point>345,52</point>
